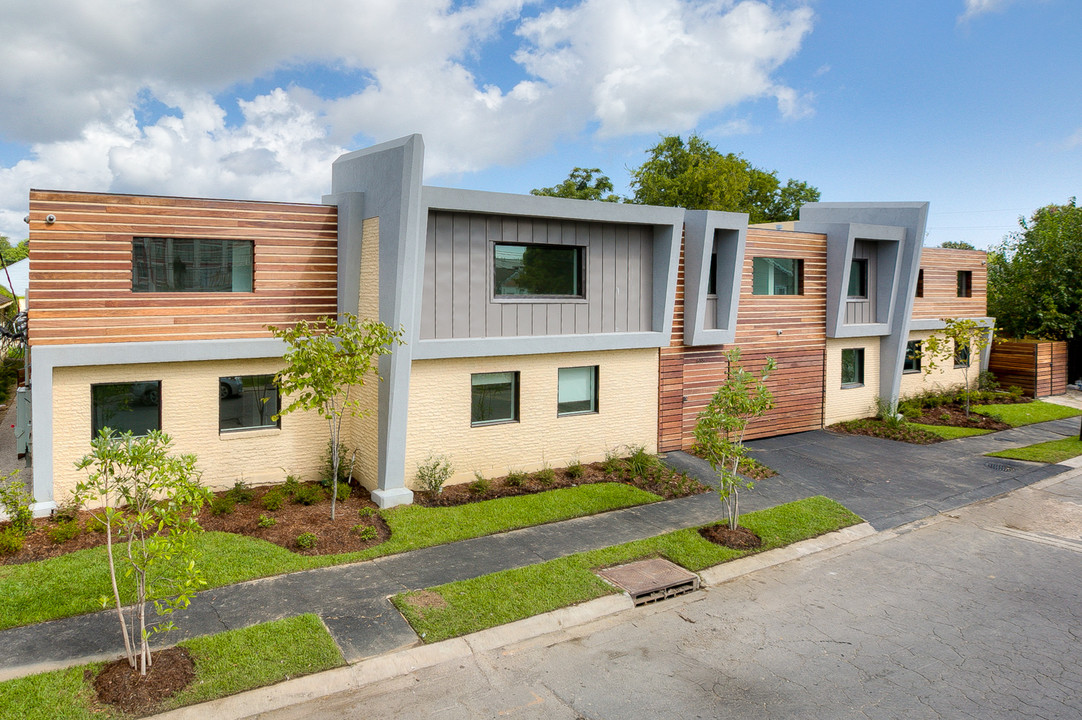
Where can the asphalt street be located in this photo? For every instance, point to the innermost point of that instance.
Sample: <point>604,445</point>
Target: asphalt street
<point>976,613</point>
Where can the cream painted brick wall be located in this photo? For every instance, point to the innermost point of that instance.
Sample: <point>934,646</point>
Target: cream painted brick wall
<point>850,403</point>
<point>189,406</point>
<point>944,377</point>
<point>439,413</point>
<point>362,432</point>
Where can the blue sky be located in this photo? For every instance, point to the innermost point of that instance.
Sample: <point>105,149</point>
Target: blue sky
<point>969,104</point>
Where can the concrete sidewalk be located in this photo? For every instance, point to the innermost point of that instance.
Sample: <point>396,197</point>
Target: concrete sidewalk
<point>885,482</point>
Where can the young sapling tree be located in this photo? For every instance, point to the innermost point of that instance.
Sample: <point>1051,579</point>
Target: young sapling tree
<point>959,341</point>
<point>148,500</point>
<point>324,363</point>
<point>719,432</point>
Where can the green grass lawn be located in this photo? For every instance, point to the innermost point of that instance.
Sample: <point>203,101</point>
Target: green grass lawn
<point>504,597</point>
<point>225,664</point>
<point>1027,413</point>
<point>1053,451</point>
<point>949,432</point>
<point>72,584</point>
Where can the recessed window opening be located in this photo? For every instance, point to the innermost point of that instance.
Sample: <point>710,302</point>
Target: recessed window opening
<point>911,364</point>
<point>537,271</point>
<point>777,276</point>
<point>191,265</point>
<point>127,406</point>
<point>858,279</point>
<point>852,367</point>
<point>577,391</point>
<point>965,283</point>
<point>247,402</point>
<point>493,398</point>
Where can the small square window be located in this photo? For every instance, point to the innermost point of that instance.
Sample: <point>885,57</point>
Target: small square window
<point>911,364</point>
<point>961,356</point>
<point>920,283</point>
<point>247,402</point>
<point>852,367</point>
<point>493,398</point>
<point>777,276</point>
<point>537,271</point>
<point>858,279</point>
<point>965,283</point>
<point>577,391</point>
<point>132,406</point>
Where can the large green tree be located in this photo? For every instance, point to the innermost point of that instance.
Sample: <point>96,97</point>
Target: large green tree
<point>1035,276</point>
<point>13,253</point>
<point>694,174</point>
<point>582,184</point>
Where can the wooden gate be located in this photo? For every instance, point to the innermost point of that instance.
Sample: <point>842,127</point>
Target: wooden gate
<point>1039,367</point>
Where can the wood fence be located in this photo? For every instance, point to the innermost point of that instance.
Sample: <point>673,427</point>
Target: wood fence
<point>1038,367</point>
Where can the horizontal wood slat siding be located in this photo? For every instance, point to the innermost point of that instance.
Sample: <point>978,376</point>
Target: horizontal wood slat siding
<point>689,376</point>
<point>1039,368</point>
<point>941,266</point>
<point>457,298</point>
<point>81,268</point>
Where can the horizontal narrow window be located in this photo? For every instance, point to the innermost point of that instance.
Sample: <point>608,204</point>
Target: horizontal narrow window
<point>191,265</point>
<point>577,391</point>
<point>129,406</point>
<point>493,398</point>
<point>537,271</point>
<point>246,402</point>
<point>777,276</point>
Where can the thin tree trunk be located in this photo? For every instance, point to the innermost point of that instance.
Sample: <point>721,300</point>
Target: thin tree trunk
<point>129,651</point>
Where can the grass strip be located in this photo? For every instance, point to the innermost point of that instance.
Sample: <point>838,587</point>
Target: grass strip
<point>949,432</point>
<point>225,664</point>
<point>1027,413</point>
<point>73,584</point>
<point>470,605</point>
<point>1052,451</point>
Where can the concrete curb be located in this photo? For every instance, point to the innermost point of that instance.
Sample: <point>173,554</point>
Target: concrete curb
<point>402,662</point>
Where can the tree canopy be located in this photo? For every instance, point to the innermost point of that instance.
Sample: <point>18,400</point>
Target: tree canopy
<point>13,253</point>
<point>956,245</point>
<point>694,174</point>
<point>581,184</point>
<point>1035,276</point>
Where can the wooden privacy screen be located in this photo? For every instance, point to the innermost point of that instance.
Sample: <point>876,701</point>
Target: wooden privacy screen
<point>1038,367</point>
<point>81,268</point>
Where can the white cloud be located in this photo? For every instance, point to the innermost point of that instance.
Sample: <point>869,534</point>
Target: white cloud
<point>980,7</point>
<point>76,77</point>
<point>1075,140</point>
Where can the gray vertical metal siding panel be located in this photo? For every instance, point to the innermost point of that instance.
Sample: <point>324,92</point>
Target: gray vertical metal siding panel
<point>457,302</point>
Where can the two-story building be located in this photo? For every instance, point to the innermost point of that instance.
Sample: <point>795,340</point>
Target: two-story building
<point>537,330</point>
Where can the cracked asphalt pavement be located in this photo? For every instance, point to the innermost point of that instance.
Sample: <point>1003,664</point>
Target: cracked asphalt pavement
<point>972,614</point>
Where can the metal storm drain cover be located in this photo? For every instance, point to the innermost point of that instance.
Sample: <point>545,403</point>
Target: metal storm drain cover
<point>648,581</point>
<point>999,467</point>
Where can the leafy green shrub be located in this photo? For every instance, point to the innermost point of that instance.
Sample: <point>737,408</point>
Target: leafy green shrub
<point>344,489</point>
<point>433,473</point>
<point>307,541</point>
<point>888,412</point>
<point>273,499</point>
<point>575,470</point>
<point>367,511</point>
<point>515,478</point>
<point>64,531</point>
<point>326,471</point>
<point>223,505</point>
<point>11,541</point>
<point>66,512</point>
<point>546,476</point>
<point>241,493</point>
<point>1015,391</point>
<point>291,485</point>
<point>266,522</point>
<point>364,532</point>
<point>640,463</point>
<point>479,486</point>
<point>15,502</point>
<point>308,495</point>
<point>613,464</point>
<point>95,524</point>
<point>986,380</point>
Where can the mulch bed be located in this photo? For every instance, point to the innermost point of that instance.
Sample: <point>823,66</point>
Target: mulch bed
<point>120,685</point>
<point>346,532</point>
<point>739,539</point>
<point>661,481</point>
<point>955,416</point>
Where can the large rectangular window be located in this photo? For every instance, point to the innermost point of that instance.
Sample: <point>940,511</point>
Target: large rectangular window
<point>777,276</point>
<point>858,279</point>
<point>852,367</point>
<point>246,402</point>
<point>965,283</point>
<point>911,364</point>
<point>537,271</point>
<point>577,391</point>
<point>493,398</point>
<point>134,406</point>
<point>191,265</point>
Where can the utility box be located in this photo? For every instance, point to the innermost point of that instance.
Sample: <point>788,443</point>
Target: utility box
<point>22,421</point>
